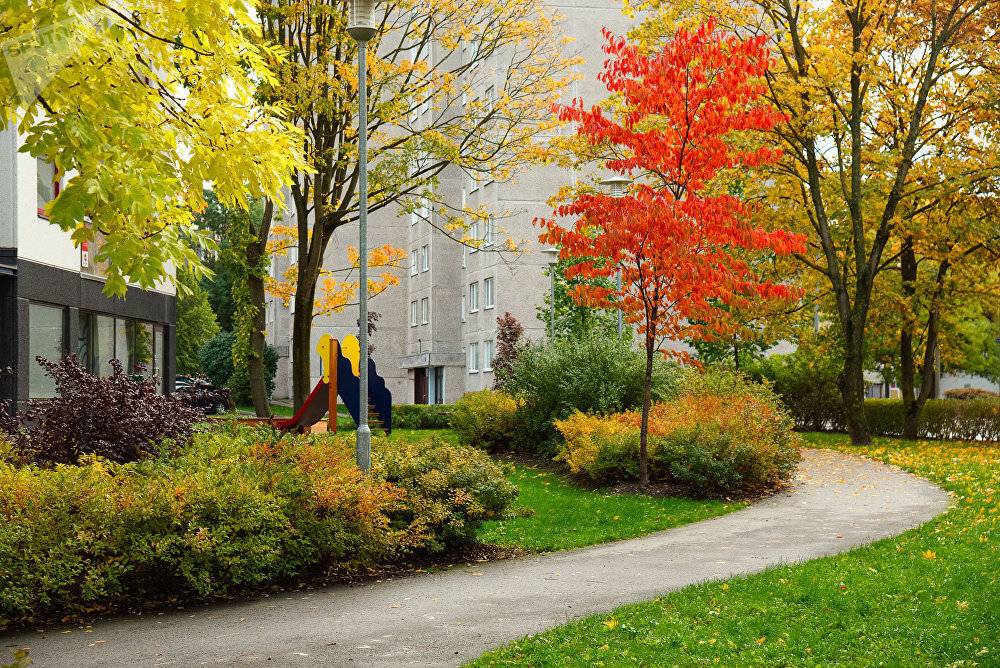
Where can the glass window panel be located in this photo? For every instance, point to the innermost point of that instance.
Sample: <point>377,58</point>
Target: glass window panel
<point>159,352</point>
<point>103,345</point>
<point>45,183</point>
<point>85,348</point>
<point>45,340</point>
<point>141,354</point>
<point>488,355</point>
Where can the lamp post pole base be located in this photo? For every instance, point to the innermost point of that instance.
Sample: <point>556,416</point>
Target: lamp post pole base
<point>364,447</point>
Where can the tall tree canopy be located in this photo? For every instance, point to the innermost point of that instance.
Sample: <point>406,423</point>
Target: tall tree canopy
<point>138,105</point>
<point>682,116</point>
<point>892,112</point>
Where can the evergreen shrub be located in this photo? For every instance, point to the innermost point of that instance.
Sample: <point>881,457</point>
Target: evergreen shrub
<point>592,374</point>
<point>421,416</point>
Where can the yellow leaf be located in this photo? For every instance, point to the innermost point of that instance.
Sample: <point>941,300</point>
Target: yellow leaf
<point>928,554</point>
<point>611,623</point>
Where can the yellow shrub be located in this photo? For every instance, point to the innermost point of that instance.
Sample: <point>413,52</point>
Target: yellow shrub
<point>597,445</point>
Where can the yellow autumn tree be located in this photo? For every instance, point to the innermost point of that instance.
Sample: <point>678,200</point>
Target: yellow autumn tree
<point>459,85</point>
<point>891,106</point>
<point>138,105</point>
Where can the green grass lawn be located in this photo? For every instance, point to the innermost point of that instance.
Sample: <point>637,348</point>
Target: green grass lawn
<point>570,516</point>
<point>929,597</point>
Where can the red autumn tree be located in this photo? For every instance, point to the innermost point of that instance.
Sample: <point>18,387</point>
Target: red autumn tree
<point>686,114</point>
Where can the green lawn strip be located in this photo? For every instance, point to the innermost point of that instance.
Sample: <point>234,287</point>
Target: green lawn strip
<point>929,597</point>
<point>276,409</point>
<point>568,516</point>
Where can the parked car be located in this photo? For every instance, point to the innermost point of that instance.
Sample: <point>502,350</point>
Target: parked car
<point>199,393</point>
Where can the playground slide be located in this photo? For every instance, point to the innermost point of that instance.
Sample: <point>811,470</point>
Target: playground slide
<point>317,404</point>
<point>350,392</point>
<point>312,410</point>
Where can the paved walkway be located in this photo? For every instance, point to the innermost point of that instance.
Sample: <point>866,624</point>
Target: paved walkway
<point>837,502</point>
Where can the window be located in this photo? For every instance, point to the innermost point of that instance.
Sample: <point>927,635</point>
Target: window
<point>488,234</point>
<point>473,358</point>
<point>473,182</point>
<point>46,184</point>
<point>97,343</point>
<point>45,339</point>
<point>488,293</point>
<point>488,355</point>
<point>474,234</point>
<point>473,297</point>
<point>159,356</point>
<point>413,262</point>
<point>463,308</point>
<point>413,313</point>
<point>425,253</point>
<point>425,208</point>
<point>425,310</point>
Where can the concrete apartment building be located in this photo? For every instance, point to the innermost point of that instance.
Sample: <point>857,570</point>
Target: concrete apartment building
<point>437,328</point>
<point>51,300</point>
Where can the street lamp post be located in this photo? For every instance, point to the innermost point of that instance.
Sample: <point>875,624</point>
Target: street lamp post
<point>362,28</point>
<point>553,254</point>
<point>618,184</point>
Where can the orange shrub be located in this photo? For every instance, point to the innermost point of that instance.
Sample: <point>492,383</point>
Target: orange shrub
<point>718,443</point>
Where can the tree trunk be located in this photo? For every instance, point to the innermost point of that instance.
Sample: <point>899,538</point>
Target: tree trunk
<point>644,429</point>
<point>851,382</point>
<point>913,403</point>
<point>302,341</point>
<point>256,251</point>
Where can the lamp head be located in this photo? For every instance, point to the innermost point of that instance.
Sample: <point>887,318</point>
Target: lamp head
<point>553,256</point>
<point>618,184</point>
<point>361,25</point>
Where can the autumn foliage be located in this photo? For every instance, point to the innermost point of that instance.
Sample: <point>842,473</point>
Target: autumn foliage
<point>681,118</point>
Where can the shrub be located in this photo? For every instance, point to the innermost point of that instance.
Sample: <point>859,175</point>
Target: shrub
<point>967,393</point>
<point>806,382</point>
<point>235,508</point>
<point>592,374</point>
<point>966,420</point>
<point>421,416</point>
<point>449,490</point>
<point>486,419</point>
<point>216,359</point>
<point>721,435</point>
<point>510,345</point>
<point>605,448</point>
<point>115,417</point>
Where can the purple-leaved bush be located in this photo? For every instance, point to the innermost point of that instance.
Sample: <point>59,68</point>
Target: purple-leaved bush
<point>114,417</point>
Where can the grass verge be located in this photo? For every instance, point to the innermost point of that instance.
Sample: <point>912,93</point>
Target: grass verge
<point>568,516</point>
<point>928,597</point>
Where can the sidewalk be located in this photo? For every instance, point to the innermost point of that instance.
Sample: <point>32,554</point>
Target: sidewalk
<point>838,502</point>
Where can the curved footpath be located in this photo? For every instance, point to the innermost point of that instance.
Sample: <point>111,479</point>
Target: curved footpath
<point>837,502</point>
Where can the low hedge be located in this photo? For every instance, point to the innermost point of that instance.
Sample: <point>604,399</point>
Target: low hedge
<point>421,416</point>
<point>487,419</point>
<point>954,419</point>
<point>235,508</point>
<point>721,436</point>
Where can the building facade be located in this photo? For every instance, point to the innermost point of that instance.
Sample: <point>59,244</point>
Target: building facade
<point>436,333</point>
<point>51,293</point>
